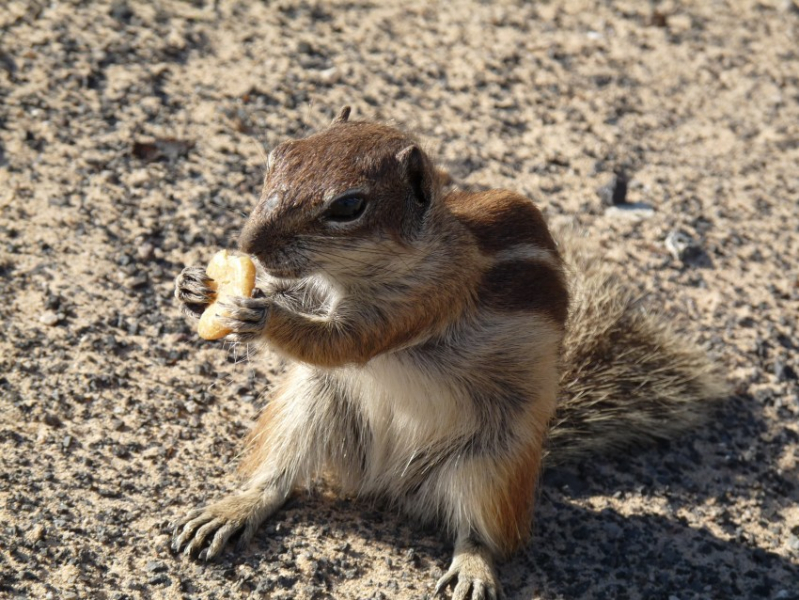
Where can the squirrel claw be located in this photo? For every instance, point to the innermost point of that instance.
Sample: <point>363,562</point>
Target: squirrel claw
<point>205,531</point>
<point>191,532</point>
<point>245,317</point>
<point>467,589</point>
<point>192,291</point>
<point>445,581</point>
<point>475,581</point>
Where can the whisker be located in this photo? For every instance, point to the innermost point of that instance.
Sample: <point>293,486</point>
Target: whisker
<point>374,267</point>
<point>259,147</point>
<point>348,245</point>
<point>219,204</point>
<point>381,255</point>
<point>344,243</point>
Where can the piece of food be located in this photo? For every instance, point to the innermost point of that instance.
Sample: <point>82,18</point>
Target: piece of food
<point>231,275</point>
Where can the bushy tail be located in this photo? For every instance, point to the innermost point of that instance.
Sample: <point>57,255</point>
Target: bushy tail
<point>628,376</point>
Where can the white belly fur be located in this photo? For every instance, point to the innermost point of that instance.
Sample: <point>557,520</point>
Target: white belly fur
<point>407,411</point>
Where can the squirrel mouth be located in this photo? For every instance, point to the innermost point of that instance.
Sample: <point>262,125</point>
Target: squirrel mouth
<point>278,271</point>
<point>282,273</point>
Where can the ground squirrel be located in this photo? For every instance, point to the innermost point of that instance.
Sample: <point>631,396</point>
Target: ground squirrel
<point>429,332</point>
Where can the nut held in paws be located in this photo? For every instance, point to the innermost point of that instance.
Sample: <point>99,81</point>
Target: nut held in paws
<point>231,275</point>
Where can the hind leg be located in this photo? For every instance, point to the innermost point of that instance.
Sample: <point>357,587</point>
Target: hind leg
<point>472,572</point>
<point>492,498</point>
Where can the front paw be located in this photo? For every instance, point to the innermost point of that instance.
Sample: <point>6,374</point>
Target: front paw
<point>245,317</point>
<point>192,291</point>
<point>205,531</point>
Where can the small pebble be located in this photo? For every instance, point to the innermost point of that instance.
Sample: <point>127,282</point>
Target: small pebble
<point>137,282</point>
<point>682,246</point>
<point>784,372</point>
<point>145,251</point>
<point>52,420</point>
<point>138,178</point>
<point>36,533</point>
<point>159,580</point>
<point>634,210</point>
<point>50,318</point>
<point>412,558</point>
<point>120,10</point>
<point>329,76</point>
<point>155,566</point>
<point>613,531</point>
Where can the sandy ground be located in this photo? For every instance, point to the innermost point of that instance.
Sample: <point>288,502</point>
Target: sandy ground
<point>131,138</point>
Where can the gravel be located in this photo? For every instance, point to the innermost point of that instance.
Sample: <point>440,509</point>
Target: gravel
<point>132,137</point>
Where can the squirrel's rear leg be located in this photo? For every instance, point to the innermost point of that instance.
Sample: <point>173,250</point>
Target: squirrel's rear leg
<point>472,573</point>
<point>492,498</point>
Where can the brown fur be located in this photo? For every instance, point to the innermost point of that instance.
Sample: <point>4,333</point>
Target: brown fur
<point>296,188</point>
<point>392,325</point>
<point>628,376</point>
<point>512,505</point>
<point>525,285</point>
<point>333,345</point>
<point>500,219</point>
<point>425,333</point>
<point>258,444</point>
<point>514,502</point>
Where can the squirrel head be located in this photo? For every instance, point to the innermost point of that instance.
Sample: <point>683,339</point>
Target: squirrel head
<point>343,202</point>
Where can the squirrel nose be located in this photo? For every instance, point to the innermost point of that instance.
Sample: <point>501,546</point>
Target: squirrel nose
<point>253,238</point>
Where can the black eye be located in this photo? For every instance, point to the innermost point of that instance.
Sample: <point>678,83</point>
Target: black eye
<point>345,208</point>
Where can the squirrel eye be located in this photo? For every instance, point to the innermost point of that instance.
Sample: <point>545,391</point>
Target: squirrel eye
<point>345,208</point>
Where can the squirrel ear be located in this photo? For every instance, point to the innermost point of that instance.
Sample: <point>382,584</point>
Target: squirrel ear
<point>343,115</point>
<point>415,168</point>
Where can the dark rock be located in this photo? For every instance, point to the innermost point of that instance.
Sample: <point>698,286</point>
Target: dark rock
<point>784,372</point>
<point>52,420</point>
<point>155,566</point>
<point>159,580</point>
<point>412,558</point>
<point>615,192</point>
<point>120,11</point>
<point>686,249</point>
